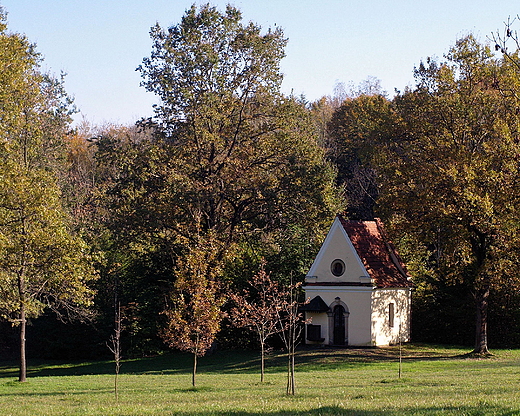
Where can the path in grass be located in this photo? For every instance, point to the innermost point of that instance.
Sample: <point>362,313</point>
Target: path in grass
<point>435,381</point>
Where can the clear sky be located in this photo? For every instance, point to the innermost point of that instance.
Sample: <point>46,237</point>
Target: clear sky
<point>99,43</point>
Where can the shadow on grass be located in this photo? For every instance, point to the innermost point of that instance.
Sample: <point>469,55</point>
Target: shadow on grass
<point>245,362</point>
<point>340,411</point>
<point>174,363</point>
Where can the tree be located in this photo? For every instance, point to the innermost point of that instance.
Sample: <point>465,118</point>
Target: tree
<point>193,313</point>
<point>225,156</point>
<point>43,264</point>
<point>121,221</point>
<point>114,344</point>
<point>451,173</point>
<point>503,40</point>
<point>354,130</point>
<point>290,324</point>
<point>239,161</point>
<point>79,188</point>
<point>272,307</point>
<point>258,309</point>
<point>236,153</point>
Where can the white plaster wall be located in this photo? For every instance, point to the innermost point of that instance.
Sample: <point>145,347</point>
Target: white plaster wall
<point>338,246</point>
<point>382,333</point>
<point>358,301</point>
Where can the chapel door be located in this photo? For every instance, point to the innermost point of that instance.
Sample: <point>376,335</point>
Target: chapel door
<point>339,325</point>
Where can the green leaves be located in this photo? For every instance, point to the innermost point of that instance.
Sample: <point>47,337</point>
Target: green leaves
<point>210,58</point>
<point>42,263</point>
<point>232,153</point>
<point>36,242</point>
<point>452,176</point>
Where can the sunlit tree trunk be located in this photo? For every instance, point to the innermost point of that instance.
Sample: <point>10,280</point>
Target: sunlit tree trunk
<point>23,361</point>
<point>480,245</point>
<point>262,361</point>
<point>292,378</point>
<point>288,388</point>
<point>21,296</point>
<point>194,372</point>
<point>481,342</point>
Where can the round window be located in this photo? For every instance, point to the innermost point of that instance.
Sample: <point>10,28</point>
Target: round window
<point>337,267</point>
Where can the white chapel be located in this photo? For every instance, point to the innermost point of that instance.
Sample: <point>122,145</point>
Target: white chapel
<point>359,289</point>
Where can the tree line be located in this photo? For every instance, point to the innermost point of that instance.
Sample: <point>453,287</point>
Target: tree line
<point>149,228</point>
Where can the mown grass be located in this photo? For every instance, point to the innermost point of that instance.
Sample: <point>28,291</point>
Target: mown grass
<point>435,381</point>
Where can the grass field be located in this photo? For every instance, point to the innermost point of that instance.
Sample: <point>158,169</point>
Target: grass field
<point>435,381</point>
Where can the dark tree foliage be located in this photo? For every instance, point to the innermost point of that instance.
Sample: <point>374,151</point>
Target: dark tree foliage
<point>354,130</point>
<point>226,155</point>
<point>451,178</point>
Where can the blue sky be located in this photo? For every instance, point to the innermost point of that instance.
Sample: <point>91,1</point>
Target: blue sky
<point>99,43</point>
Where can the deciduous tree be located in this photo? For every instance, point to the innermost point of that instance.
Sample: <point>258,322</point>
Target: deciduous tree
<point>257,308</point>
<point>43,264</point>
<point>237,154</point>
<point>290,323</point>
<point>452,174</point>
<point>356,127</point>
<point>227,154</point>
<point>194,306</point>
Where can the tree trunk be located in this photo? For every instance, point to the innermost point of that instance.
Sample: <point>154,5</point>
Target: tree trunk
<point>290,364</point>
<point>293,353</point>
<point>288,389</point>
<point>194,369</point>
<point>23,362</point>
<point>115,387</point>
<point>22,299</point>
<point>262,362</point>
<point>481,341</point>
<point>21,294</point>
<point>480,243</point>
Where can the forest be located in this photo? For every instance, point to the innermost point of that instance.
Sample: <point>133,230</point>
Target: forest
<point>158,235</point>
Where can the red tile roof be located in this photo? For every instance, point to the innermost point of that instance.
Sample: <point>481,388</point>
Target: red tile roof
<point>377,253</point>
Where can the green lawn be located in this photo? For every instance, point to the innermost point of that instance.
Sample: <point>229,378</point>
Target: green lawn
<point>435,381</point>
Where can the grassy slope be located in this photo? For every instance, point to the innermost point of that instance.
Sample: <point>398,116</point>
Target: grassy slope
<point>435,381</point>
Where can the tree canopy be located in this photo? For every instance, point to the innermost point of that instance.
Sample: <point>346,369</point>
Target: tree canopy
<point>184,206</point>
<point>226,157</point>
<point>440,162</point>
<point>450,175</point>
<point>239,155</point>
<point>43,264</point>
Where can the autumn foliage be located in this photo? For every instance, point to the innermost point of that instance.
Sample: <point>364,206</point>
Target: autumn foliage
<point>194,305</point>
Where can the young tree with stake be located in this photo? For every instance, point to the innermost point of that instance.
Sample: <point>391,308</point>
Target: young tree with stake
<point>258,309</point>
<point>193,312</point>
<point>290,324</point>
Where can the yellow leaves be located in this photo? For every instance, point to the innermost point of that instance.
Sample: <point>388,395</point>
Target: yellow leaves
<point>37,245</point>
<point>194,313</point>
<point>453,172</point>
